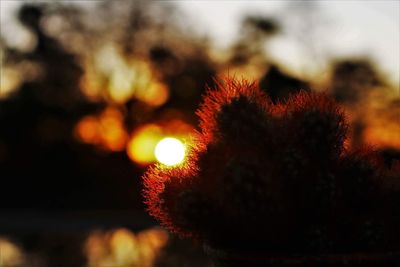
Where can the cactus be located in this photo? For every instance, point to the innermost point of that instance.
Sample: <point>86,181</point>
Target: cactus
<point>276,177</point>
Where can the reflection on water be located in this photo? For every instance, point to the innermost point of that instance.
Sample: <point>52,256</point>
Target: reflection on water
<point>122,247</point>
<point>118,247</point>
<point>11,254</point>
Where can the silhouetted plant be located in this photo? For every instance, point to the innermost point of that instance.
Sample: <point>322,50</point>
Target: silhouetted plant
<point>277,177</point>
<point>276,172</point>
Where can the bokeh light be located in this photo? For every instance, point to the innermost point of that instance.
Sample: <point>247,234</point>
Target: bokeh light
<point>170,151</point>
<point>106,131</point>
<point>140,148</point>
<point>9,81</point>
<point>92,92</point>
<point>116,78</point>
<point>10,254</point>
<point>121,247</point>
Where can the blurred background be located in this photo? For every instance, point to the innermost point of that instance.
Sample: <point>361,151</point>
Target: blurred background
<point>94,92</point>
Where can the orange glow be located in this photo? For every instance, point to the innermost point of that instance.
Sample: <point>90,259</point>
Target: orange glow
<point>106,131</point>
<point>87,130</point>
<point>178,128</point>
<point>121,247</point>
<point>254,69</point>
<point>111,76</point>
<point>153,239</point>
<point>10,254</point>
<point>9,81</point>
<point>141,147</point>
<point>155,94</point>
<point>385,135</point>
<point>108,70</point>
<point>112,130</point>
<point>125,247</point>
<point>382,118</point>
<point>91,85</point>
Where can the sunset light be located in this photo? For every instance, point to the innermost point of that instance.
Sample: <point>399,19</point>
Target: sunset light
<point>140,148</point>
<point>170,151</point>
<point>199,133</point>
<point>105,130</point>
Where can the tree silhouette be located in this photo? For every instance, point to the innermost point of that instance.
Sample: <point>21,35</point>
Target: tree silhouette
<point>279,86</point>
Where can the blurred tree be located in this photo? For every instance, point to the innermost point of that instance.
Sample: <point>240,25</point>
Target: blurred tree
<point>254,33</point>
<point>279,86</point>
<point>58,85</point>
<point>351,84</point>
<point>43,166</point>
<point>352,79</point>
<point>42,163</point>
<point>308,29</point>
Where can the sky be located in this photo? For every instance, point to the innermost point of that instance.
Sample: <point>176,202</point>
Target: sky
<point>352,28</point>
<point>340,29</point>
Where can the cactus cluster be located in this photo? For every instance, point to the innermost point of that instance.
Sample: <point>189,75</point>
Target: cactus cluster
<point>278,177</point>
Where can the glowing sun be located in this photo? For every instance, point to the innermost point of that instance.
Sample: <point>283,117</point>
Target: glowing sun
<point>170,151</point>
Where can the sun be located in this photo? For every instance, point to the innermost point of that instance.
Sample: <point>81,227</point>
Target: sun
<point>170,151</point>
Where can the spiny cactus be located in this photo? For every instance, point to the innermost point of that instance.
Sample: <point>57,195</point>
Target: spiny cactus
<point>277,177</point>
